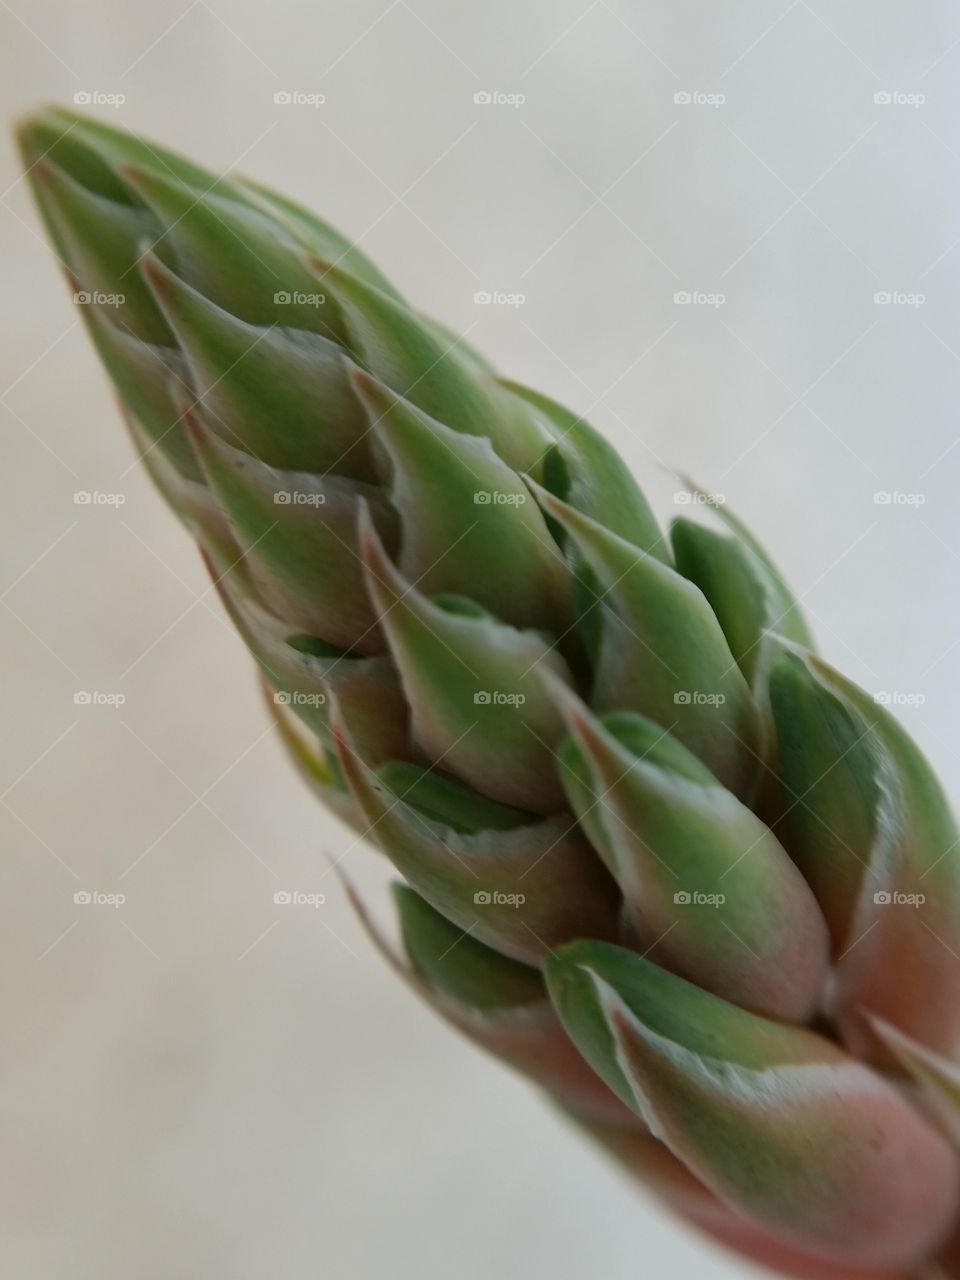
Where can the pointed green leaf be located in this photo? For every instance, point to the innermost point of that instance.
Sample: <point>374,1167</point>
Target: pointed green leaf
<point>278,393</point>
<point>316,235</point>
<point>712,894</point>
<point>92,152</point>
<point>747,600</point>
<point>293,675</point>
<point>153,383</point>
<point>899,960</point>
<point>782,602</point>
<point>52,135</point>
<point>588,473</point>
<point>475,690</point>
<point>481,993</point>
<point>833,780</point>
<point>521,891</point>
<point>311,765</point>
<point>652,1164</point>
<point>779,1123</point>
<point>304,674</point>
<point>391,343</point>
<point>370,703</point>
<point>463,969</point>
<point>233,255</point>
<point>662,652</point>
<point>192,501</point>
<point>298,533</point>
<point>103,242</point>
<point>445,801</point>
<point>468,521</point>
<point>450,338</point>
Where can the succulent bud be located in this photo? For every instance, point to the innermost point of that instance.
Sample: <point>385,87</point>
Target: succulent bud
<point>565,733</point>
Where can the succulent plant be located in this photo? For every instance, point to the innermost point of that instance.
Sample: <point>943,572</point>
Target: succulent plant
<point>656,853</point>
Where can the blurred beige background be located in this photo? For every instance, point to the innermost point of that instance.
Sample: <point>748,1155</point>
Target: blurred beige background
<point>197,1083</point>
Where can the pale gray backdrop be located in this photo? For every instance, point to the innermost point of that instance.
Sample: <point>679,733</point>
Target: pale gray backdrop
<point>197,1083</point>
